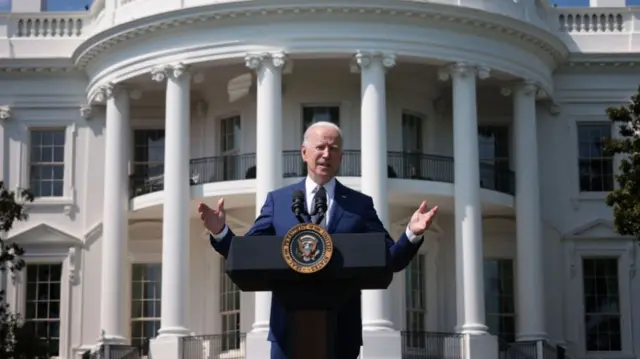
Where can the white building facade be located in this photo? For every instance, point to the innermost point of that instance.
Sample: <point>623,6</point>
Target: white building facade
<point>122,118</point>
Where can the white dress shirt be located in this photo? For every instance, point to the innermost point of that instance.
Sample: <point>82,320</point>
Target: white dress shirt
<point>310,187</point>
<point>310,191</point>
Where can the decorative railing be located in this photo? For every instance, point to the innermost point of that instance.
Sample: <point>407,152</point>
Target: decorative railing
<point>218,346</point>
<point>593,20</point>
<point>416,166</point>
<point>539,349</point>
<point>48,25</point>
<point>109,351</point>
<point>507,350</point>
<point>430,345</point>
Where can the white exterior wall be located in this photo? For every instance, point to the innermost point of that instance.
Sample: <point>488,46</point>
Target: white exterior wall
<point>69,229</point>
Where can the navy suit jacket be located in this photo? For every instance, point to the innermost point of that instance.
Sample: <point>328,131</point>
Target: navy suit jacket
<point>351,212</point>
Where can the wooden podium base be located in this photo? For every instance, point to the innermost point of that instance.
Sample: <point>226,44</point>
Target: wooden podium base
<point>312,335</point>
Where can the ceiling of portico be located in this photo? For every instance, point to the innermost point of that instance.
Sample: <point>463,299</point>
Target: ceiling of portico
<point>211,79</point>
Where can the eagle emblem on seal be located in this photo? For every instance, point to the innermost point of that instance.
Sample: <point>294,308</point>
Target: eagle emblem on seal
<point>307,248</point>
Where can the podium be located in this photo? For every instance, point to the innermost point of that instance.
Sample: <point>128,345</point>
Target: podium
<point>311,300</point>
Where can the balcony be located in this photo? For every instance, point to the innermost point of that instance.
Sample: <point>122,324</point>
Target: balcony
<point>431,345</point>
<point>409,166</point>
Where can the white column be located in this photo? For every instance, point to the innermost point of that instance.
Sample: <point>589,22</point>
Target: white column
<point>530,289</point>
<point>468,220</point>
<point>115,213</point>
<point>268,149</point>
<point>175,217</point>
<point>376,304</point>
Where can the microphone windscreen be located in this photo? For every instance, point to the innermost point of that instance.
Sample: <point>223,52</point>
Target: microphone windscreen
<point>297,194</point>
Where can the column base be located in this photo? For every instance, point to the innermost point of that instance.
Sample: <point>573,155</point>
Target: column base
<point>531,337</point>
<point>111,339</point>
<point>381,345</point>
<point>378,326</point>
<point>257,345</point>
<point>482,346</point>
<point>173,332</point>
<point>473,329</point>
<point>165,347</point>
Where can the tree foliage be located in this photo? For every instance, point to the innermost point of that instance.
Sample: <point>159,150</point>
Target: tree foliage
<point>625,200</point>
<point>17,339</point>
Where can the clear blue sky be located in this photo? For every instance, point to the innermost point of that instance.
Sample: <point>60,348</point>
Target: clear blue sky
<point>78,5</point>
<point>586,2</point>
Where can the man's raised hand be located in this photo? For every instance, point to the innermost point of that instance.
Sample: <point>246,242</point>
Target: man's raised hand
<point>213,219</point>
<point>421,219</point>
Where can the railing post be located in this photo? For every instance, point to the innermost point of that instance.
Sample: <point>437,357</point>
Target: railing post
<point>539,349</point>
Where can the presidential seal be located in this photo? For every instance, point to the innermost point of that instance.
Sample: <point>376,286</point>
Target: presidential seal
<point>307,248</point>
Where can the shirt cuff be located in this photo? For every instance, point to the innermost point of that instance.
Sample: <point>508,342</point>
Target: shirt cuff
<point>413,238</point>
<point>218,237</point>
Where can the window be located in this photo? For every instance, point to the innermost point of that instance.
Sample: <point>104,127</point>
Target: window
<point>43,303</point>
<point>499,298</point>
<point>47,162</point>
<point>146,288</point>
<point>411,147</point>
<point>493,146</point>
<point>416,302</point>
<point>313,114</point>
<point>229,311</point>
<point>148,159</point>
<point>601,304</point>
<point>596,169</point>
<point>231,132</point>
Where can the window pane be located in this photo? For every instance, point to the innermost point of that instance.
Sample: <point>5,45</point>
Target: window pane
<point>43,303</point>
<point>47,162</point>
<point>595,169</point>
<point>499,297</point>
<point>313,114</point>
<point>602,304</point>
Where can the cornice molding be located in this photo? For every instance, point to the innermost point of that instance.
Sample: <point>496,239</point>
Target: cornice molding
<point>500,25</point>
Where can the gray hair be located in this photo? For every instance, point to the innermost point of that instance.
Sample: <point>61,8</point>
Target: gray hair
<point>325,124</point>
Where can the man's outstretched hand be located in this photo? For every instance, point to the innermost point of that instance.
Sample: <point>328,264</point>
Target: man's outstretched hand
<point>213,219</point>
<point>421,219</point>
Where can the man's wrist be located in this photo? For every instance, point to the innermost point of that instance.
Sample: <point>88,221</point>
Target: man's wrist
<point>221,234</point>
<point>412,237</point>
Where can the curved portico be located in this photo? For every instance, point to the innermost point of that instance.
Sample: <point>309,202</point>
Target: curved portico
<point>175,54</point>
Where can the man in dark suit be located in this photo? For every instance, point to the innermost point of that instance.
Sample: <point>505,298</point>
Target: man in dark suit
<point>349,211</point>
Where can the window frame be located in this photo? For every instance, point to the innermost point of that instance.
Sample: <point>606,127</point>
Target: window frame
<point>599,122</point>
<point>147,251</point>
<point>513,315</point>
<point>69,197</point>
<point>61,253</point>
<point>337,105</point>
<point>434,317</point>
<point>222,313</point>
<point>149,260</point>
<point>236,152</point>
<point>576,250</point>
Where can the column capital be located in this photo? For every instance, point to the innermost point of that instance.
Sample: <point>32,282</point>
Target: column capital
<point>522,87</point>
<point>162,72</point>
<point>86,111</point>
<point>364,59</point>
<point>5,112</point>
<point>105,92</point>
<point>463,69</point>
<point>277,59</point>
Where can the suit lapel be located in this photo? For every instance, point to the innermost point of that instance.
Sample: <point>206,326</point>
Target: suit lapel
<point>337,210</point>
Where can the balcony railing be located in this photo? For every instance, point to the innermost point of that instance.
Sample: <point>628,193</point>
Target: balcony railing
<point>416,166</point>
<point>430,345</point>
<point>219,346</point>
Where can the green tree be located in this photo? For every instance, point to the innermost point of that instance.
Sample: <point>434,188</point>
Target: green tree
<point>17,339</point>
<point>625,200</point>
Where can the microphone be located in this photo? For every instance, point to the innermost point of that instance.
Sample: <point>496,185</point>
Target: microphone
<point>298,205</point>
<point>320,204</point>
